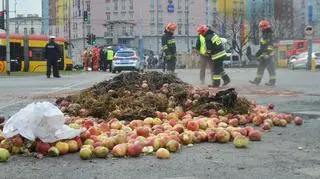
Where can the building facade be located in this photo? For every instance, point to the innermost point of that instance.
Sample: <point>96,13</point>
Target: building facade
<point>283,19</point>
<point>32,23</point>
<point>123,21</point>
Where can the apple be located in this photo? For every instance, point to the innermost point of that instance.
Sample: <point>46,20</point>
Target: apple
<point>257,120</point>
<point>17,141</point>
<point>163,153</point>
<point>193,126</point>
<point>223,125</point>
<point>74,126</point>
<point>43,148</point>
<point>86,153</point>
<point>203,124</point>
<point>173,145</point>
<point>222,136</point>
<point>101,152</point>
<point>63,147</point>
<point>186,138</point>
<point>254,135</point>
<point>266,126</point>
<point>120,150</point>
<point>134,150</point>
<point>233,122</point>
<point>143,131</point>
<point>148,121</point>
<point>240,141</point>
<point>173,116</point>
<point>73,146</point>
<point>298,121</point>
<point>116,125</point>
<point>4,155</point>
<point>159,114</point>
<point>172,123</point>
<point>211,136</point>
<point>135,123</point>
<point>53,152</point>
<point>85,135</point>
<point>283,123</point>
<point>89,142</point>
<point>157,143</point>
<point>156,121</point>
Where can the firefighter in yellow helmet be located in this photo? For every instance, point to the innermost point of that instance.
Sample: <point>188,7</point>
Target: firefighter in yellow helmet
<point>264,55</point>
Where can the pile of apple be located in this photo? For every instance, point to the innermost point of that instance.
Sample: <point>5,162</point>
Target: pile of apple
<point>161,135</point>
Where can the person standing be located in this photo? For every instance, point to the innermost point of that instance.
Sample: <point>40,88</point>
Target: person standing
<point>217,52</point>
<point>102,59</point>
<point>205,58</point>
<point>109,58</point>
<point>169,47</point>
<point>86,61</point>
<point>264,55</point>
<point>52,55</point>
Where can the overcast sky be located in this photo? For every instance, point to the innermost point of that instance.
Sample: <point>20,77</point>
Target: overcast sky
<point>25,7</point>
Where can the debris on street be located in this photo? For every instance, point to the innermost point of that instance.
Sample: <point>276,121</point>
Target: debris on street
<point>150,114</point>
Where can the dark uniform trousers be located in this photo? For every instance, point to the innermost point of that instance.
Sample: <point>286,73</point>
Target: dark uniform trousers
<point>170,61</point>
<point>54,65</point>
<point>266,62</point>
<point>219,73</point>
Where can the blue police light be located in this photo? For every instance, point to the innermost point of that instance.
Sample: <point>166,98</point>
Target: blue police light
<point>170,8</point>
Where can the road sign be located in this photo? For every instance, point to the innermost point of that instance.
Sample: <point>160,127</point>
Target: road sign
<point>308,30</point>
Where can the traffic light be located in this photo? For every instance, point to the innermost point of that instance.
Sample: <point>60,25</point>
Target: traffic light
<point>89,39</point>
<point>93,39</point>
<point>85,16</point>
<point>2,19</point>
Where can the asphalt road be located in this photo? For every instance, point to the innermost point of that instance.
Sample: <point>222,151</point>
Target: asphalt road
<point>276,156</point>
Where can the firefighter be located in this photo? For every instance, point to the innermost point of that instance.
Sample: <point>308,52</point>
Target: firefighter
<point>217,53</point>
<point>264,55</point>
<point>95,58</point>
<point>169,47</point>
<point>109,58</point>
<point>52,54</point>
<point>204,56</point>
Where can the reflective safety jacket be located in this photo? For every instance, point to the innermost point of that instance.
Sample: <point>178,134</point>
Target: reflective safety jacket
<point>214,46</point>
<point>266,45</point>
<point>168,44</point>
<point>201,45</point>
<point>109,54</point>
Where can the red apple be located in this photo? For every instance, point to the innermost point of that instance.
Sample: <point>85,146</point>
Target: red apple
<point>257,120</point>
<point>222,136</point>
<point>134,150</point>
<point>85,135</point>
<point>298,121</point>
<point>193,125</point>
<point>17,141</point>
<point>233,122</point>
<point>143,131</point>
<point>43,148</point>
<point>255,135</point>
<point>159,114</point>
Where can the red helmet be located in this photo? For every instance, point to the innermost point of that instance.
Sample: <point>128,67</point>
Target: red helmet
<point>171,27</point>
<point>264,24</point>
<point>202,29</point>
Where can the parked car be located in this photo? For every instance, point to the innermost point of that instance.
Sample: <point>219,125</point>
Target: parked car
<point>231,61</point>
<point>127,59</point>
<point>300,62</point>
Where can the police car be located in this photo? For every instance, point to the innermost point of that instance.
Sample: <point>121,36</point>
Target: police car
<point>127,59</point>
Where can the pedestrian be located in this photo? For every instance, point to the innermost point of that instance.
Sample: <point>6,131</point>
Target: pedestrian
<point>264,55</point>
<point>109,57</point>
<point>217,53</point>
<point>205,58</point>
<point>95,58</point>
<point>52,55</point>
<point>102,59</point>
<point>169,47</point>
<point>85,55</point>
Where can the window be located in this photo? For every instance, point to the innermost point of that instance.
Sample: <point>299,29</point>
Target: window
<point>88,5</point>
<point>160,5</point>
<point>108,16</point>
<point>187,30</point>
<point>187,5</point>
<point>151,4</point>
<point>179,4</point>
<point>131,5</point>
<point>179,29</point>
<point>115,2</point>
<point>152,17</point>
<point>131,30</point>
<point>300,45</point>
<point>152,29</point>
<point>179,17</point>
<point>131,16</point>
<point>123,6</point>
<point>160,16</point>
<point>37,53</point>
<point>124,30</point>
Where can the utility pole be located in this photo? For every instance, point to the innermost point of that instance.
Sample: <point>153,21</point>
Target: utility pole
<point>225,18</point>
<point>69,32</point>
<point>83,27</point>
<point>188,34</point>
<point>141,46</point>
<point>157,26</point>
<point>8,38</point>
<point>309,40</point>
